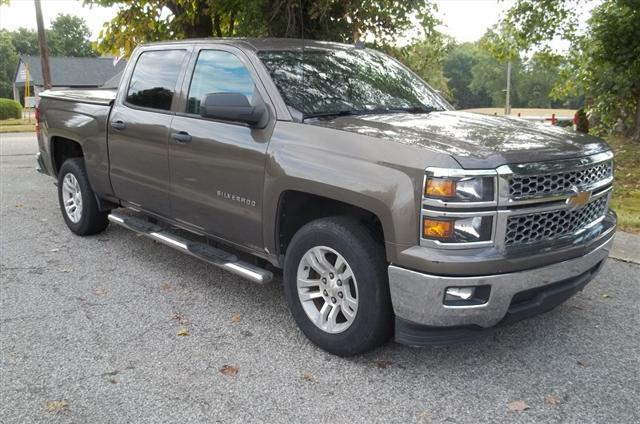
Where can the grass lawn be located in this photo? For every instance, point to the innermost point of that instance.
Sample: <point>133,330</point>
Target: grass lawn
<point>17,125</point>
<point>626,194</point>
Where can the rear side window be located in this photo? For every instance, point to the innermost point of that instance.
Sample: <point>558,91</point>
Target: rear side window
<point>218,71</point>
<point>154,79</point>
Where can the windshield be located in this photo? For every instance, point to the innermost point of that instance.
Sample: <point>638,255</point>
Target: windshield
<point>335,82</point>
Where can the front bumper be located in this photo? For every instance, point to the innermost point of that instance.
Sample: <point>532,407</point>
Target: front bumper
<point>423,318</point>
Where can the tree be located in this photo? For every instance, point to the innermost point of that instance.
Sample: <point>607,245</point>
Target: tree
<point>333,20</point>
<point>604,61</point>
<point>8,63</point>
<point>69,36</point>
<point>458,70</point>
<point>25,41</point>
<point>426,57</point>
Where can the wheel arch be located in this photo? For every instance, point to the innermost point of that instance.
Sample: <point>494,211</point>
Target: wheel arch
<point>292,213</point>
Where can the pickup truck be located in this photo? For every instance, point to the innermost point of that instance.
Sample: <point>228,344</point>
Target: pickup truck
<point>389,213</point>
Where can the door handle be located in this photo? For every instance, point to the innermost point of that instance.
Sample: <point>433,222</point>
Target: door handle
<point>182,137</point>
<point>118,125</point>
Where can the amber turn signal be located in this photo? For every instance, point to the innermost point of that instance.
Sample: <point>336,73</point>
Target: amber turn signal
<point>440,187</point>
<point>432,228</point>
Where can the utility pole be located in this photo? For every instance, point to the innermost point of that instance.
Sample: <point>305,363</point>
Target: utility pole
<point>507,103</point>
<point>44,50</point>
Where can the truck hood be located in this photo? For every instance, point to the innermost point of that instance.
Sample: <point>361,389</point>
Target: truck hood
<point>474,140</point>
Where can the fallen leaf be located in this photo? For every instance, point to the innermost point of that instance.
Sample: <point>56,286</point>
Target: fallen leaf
<point>100,291</point>
<point>552,400</point>
<point>229,370</point>
<point>18,205</point>
<point>518,406</point>
<point>65,270</point>
<point>382,364</point>
<point>167,286</point>
<point>113,381</point>
<point>582,363</point>
<point>56,405</point>
<point>606,296</point>
<point>184,331</point>
<point>423,415</point>
<point>177,316</point>
<point>308,377</point>
<point>55,249</point>
<point>235,319</point>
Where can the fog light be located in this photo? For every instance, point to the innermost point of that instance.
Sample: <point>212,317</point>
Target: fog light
<point>466,296</point>
<point>456,293</point>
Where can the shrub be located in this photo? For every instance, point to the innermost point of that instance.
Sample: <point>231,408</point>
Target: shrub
<point>10,109</point>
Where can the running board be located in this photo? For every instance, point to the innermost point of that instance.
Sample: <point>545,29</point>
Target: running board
<point>202,251</point>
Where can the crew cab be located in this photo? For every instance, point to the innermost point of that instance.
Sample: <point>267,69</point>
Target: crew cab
<point>387,212</point>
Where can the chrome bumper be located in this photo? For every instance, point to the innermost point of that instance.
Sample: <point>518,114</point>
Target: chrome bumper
<point>418,297</point>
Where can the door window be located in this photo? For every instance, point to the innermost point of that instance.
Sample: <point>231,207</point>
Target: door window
<point>154,79</point>
<point>218,71</point>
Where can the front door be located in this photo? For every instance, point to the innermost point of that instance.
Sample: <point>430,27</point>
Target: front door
<point>217,168</point>
<point>138,131</point>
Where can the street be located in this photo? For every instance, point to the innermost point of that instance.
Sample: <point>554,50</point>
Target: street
<point>122,329</point>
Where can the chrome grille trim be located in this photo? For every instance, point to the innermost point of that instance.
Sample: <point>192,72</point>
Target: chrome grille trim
<point>543,185</point>
<point>549,226</point>
<point>586,174</point>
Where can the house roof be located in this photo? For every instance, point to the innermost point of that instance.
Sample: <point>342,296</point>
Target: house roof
<point>70,71</point>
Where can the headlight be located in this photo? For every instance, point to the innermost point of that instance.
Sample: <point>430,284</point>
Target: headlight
<point>460,189</point>
<point>458,230</point>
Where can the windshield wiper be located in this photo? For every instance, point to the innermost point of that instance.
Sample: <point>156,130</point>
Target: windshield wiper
<point>345,112</point>
<point>413,109</point>
<point>351,112</point>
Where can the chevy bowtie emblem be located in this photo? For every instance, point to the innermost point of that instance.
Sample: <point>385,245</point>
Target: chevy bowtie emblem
<point>578,198</point>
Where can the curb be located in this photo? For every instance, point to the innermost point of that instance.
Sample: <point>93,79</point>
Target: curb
<point>626,247</point>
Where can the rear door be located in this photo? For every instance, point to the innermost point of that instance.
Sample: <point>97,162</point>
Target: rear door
<point>218,174</point>
<point>139,125</point>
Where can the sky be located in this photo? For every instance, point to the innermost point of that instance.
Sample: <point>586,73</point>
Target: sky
<point>465,20</point>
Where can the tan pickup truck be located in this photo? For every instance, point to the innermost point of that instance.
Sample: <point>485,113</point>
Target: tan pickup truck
<point>389,213</point>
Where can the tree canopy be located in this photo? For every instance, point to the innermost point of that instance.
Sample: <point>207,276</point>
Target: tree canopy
<point>140,21</point>
<point>67,35</point>
<point>603,62</point>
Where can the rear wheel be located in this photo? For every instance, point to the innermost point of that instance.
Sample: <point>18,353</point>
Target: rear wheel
<point>77,200</point>
<point>337,287</point>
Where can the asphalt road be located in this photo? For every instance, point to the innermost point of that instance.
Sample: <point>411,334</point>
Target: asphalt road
<point>94,322</point>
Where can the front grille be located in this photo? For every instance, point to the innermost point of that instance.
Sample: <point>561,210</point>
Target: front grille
<point>546,226</point>
<point>526,186</point>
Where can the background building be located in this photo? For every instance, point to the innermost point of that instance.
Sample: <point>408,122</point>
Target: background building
<point>66,72</point>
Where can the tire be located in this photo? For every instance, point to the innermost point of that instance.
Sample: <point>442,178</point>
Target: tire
<point>72,178</point>
<point>371,321</point>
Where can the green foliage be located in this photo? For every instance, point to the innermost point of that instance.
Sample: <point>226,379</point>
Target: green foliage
<point>426,58</point>
<point>458,70</point>
<point>25,41</point>
<point>603,62</point>
<point>8,63</point>
<point>532,23</point>
<point>69,36</point>
<point>333,20</point>
<point>10,109</point>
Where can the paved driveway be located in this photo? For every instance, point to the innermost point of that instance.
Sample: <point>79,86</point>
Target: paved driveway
<point>90,330</point>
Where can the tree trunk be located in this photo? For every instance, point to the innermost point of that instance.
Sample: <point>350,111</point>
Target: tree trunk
<point>216,25</point>
<point>636,125</point>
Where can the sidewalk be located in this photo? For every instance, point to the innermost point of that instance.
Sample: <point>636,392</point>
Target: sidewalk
<point>626,247</point>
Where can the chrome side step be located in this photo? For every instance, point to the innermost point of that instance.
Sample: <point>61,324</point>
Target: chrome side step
<point>202,251</point>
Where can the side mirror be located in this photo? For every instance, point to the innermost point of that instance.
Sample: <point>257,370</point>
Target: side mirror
<point>235,107</point>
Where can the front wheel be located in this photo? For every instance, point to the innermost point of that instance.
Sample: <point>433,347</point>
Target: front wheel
<point>77,200</point>
<point>336,284</point>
